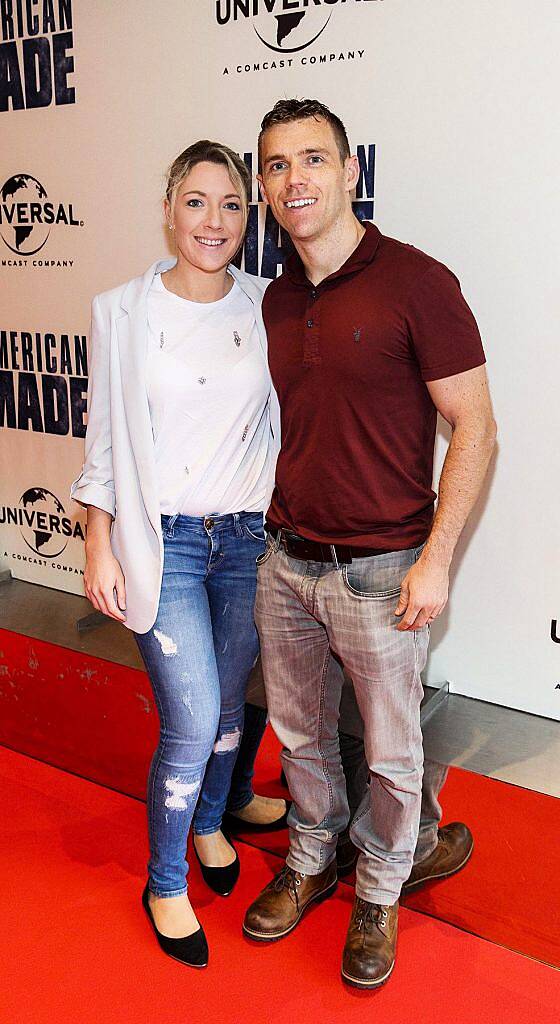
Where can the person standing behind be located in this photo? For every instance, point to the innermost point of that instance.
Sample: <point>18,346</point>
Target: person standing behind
<point>368,339</point>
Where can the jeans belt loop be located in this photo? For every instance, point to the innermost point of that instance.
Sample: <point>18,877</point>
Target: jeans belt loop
<point>169,531</point>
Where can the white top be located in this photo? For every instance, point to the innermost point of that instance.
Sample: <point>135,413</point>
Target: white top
<point>208,393</point>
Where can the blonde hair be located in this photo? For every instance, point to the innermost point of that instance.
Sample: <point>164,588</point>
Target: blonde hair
<point>214,153</point>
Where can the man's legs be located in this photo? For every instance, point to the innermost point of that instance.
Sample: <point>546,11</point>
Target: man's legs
<point>440,852</point>
<point>430,811</point>
<point>356,773</point>
<point>304,611</point>
<point>355,768</point>
<point>357,605</point>
<point>303,696</point>
<point>303,703</point>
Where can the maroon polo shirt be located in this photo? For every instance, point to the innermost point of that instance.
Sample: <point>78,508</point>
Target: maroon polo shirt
<point>349,359</point>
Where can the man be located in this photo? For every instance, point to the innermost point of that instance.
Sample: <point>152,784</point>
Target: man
<point>368,339</point>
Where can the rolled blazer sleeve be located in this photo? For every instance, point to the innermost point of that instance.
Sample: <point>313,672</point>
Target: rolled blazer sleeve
<point>95,484</point>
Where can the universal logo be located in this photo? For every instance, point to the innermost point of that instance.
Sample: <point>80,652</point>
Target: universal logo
<point>285,26</point>
<point>27,216</point>
<point>42,522</point>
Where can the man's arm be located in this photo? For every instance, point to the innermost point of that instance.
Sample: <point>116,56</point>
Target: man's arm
<point>464,401</point>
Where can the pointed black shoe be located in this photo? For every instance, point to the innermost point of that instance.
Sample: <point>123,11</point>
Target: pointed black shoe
<point>191,950</point>
<point>220,880</point>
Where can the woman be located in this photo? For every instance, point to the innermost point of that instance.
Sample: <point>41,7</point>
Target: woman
<point>181,446</point>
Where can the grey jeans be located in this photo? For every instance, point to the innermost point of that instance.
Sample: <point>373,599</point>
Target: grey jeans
<point>312,618</point>
<point>356,774</point>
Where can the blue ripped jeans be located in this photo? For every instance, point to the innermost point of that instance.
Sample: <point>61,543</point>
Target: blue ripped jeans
<point>198,655</point>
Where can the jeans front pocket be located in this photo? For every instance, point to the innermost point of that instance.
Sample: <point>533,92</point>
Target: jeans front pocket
<point>254,529</point>
<point>265,555</point>
<point>377,577</point>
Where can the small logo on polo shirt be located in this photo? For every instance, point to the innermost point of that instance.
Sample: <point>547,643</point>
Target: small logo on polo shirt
<point>357,334</point>
<point>236,339</point>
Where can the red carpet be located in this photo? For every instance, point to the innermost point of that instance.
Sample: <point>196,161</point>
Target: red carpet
<point>68,709</point>
<point>510,890</point>
<point>77,949</point>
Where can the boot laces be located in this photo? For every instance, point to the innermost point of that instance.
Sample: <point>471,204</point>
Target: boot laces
<point>290,880</point>
<point>370,914</point>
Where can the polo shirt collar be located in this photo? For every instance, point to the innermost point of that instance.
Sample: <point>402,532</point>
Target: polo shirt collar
<point>363,254</point>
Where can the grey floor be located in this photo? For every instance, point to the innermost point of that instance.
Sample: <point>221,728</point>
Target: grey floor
<point>485,738</point>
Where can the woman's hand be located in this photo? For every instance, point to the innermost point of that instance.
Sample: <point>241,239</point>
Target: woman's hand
<point>103,574</point>
<point>103,578</point>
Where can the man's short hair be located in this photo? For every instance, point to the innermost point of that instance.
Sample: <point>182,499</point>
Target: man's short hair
<point>285,111</point>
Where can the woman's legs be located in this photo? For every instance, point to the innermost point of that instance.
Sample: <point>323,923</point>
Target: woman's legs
<point>231,591</point>
<point>179,656</point>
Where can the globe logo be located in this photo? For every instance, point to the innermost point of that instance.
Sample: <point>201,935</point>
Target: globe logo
<point>21,217</point>
<point>41,524</point>
<point>293,31</point>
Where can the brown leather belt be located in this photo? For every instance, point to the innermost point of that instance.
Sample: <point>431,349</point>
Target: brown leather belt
<point>314,551</point>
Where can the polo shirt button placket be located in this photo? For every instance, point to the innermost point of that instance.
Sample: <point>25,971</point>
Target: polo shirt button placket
<point>311,353</point>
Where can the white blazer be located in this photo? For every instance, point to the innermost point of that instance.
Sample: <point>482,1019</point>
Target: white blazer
<point>119,472</point>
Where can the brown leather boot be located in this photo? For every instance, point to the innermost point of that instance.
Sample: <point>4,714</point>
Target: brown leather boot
<point>454,847</point>
<point>281,904</point>
<point>371,943</point>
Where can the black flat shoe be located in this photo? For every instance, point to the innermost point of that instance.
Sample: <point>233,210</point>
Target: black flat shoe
<point>220,880</point>
<point>191,950</point>
<point>235,824</point>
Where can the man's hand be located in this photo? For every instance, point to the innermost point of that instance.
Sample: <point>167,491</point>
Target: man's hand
<point>463,400</point>
<point>103,577</point>
<point>424,593</point>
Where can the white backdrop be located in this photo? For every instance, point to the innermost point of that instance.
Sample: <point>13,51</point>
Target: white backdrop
<point>459,100</point>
